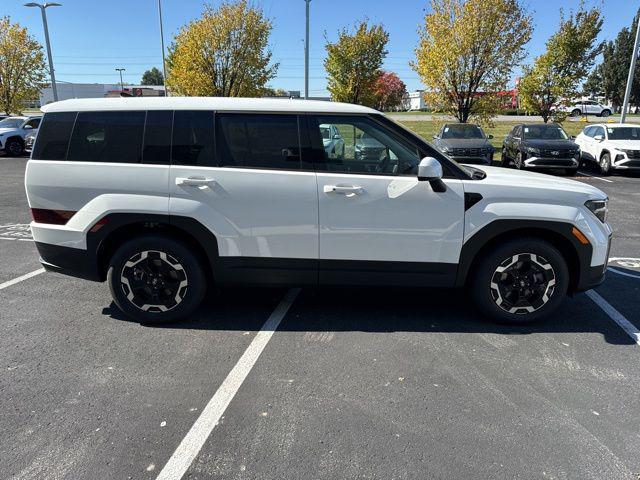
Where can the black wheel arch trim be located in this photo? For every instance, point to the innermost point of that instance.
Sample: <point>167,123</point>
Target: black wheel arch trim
<point>577,255</point>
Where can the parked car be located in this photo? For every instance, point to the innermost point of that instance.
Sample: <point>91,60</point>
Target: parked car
<point>465,143</point>
<point>13,130</point>
<point>29,140</point>
<point>611,146</point>
<point>587,107</point>
<point>332,141</point>
<point>136,192</point>
<point>539,145</point>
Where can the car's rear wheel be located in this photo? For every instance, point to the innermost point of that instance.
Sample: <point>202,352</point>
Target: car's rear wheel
<point>576,113</point>
<point>156,279</point>
<point>605,163</point>
<point>605,113</point>
<point>520,281</point>
<point>14,147</point>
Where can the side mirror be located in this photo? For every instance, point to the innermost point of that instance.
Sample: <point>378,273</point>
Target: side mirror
<point>430,170</point>
<point>489,136</point>
<point>599,138</point>
<point>572,137</point>
<point>435,137</point>
<point>27,127</point>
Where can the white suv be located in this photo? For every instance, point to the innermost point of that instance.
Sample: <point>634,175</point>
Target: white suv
<point>162,197</point>
<point>611,146</point>
<point>13,131</point>
<point>586,107</point>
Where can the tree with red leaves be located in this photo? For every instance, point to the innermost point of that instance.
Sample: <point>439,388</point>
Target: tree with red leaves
<point>389,90</point>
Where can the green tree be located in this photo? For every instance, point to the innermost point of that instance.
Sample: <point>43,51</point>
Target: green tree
<point>468,47</point>
<point>152,77</point>
<point>556,75</point>
<point>353,63</point>
<point>223,53</point>
<point>609,78</point>
<point>22,66</point>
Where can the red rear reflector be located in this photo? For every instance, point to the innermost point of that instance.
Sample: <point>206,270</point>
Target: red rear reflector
<point>54,217</point>
<point>99,224</point>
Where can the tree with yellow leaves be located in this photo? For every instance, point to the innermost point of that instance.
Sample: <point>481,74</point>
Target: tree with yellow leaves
<point>467,51</point>
<point>22,67</point>
<point>223,53</point>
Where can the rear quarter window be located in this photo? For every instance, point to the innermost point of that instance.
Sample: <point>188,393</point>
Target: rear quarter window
<point>108,137</point>
<point>53,137</point>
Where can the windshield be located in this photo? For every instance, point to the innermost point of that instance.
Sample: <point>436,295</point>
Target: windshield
<point>462,131</point>
<point>544,132</point>
<point>624,133</point>
<point>11,122</point>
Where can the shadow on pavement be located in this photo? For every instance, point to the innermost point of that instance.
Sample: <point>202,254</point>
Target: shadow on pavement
<point>383,310</point>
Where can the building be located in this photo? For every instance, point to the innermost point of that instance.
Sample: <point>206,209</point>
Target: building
<point>414,101</point>
<point>97,90</point>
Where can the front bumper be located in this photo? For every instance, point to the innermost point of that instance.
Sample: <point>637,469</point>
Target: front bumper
<point>623,162</point>
<point>551,162</point>
<point>472,160</point>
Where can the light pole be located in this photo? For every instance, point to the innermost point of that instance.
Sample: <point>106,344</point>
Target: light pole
<point>42,8</point>
<point>164,63</point>
<point>306,53</point>
<point>632,68</point>
<point>121,82</point>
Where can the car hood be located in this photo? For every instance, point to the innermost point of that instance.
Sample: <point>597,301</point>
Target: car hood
<point>527,184</point>
<point>624,144</point>
<point>6,130</point>
<point>559,144</point>
<point>464,143</point>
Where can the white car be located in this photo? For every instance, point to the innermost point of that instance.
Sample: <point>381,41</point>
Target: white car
<point>586,107</point>
<point>162,197</point>
<point>13,131</point>
<point>611,146</point>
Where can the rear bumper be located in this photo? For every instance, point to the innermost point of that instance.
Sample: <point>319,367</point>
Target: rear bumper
<point>69,261</point>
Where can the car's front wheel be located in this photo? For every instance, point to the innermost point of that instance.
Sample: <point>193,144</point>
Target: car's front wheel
<point>520,281</point>
<point>605,163</point>
<point>605,113</point>
<point>519,161</point>
<point>576,113</point>
<point>156,279</point>
<point>14,147</point>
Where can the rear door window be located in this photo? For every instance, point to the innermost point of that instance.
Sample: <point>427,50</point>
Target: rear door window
<point>53,137</point>
<point>193,138</point>
<point>157,137</point>
<point>258,141</point>
<point>108,137</point>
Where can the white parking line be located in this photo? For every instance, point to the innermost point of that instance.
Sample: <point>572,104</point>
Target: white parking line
<point>21,278</point>
<point>615,315</point>
<point>191,444</point>
<point>593,176</point>
<point>620,272</point>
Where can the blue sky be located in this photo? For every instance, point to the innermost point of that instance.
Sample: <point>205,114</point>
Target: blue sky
<point>91,38</point>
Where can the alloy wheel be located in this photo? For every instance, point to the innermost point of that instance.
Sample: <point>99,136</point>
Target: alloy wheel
<point>523,283</point>
<point>154,281</point>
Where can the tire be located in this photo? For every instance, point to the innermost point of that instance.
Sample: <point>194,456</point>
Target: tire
<point>14,147</point>
<point>519,161</point>
<point>605,163</point>
<point>576,113</point>
<point>571,172</point>
<point>516,303</point>
<point>504,159</point>
<point>605,113</point>
<point>148,261</point>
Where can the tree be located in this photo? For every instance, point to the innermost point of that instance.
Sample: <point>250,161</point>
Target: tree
<point>467,51</point>
<point>609,78</point>
<point>555,75</point>
<point>152,77</point>
<point>389,91</point>
<point>353,63</point>
<point>223,53</point>
<point>22,67</point>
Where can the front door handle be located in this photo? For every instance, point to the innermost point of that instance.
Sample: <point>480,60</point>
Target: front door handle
<point>345,189</point>
<point>194,181</point>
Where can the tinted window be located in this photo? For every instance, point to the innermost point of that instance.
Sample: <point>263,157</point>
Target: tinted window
<point>362,146</point>
<point>52,141</point>
<point>516,131</point>
<point>462,131</point>
<point>107,137</point>
<point>33,123</point>
<point>193,138</point>
<point>157,137</point>
<point>588,131</point>
<point>258,141</point>
<point>544,132</point>
<point>624,133</point>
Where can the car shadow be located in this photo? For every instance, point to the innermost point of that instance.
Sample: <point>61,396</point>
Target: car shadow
<point>382,310</point>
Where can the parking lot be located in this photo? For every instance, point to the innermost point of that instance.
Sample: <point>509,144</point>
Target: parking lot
<point>329,383</point>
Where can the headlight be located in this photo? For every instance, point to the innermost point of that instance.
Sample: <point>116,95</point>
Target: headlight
<point>598,208</point>
<point>533,150</point>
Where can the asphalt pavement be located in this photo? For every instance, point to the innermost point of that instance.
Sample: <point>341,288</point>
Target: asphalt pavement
<point>318,383</point>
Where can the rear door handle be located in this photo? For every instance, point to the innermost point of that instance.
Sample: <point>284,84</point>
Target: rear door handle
<point>194,181</point>
<point>344,189</point>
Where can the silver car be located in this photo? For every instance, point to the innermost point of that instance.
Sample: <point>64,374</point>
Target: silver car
<point>332,141</point>
<point>13,131</point>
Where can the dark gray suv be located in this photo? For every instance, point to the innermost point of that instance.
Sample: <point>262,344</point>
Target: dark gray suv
<point>465,143</point>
